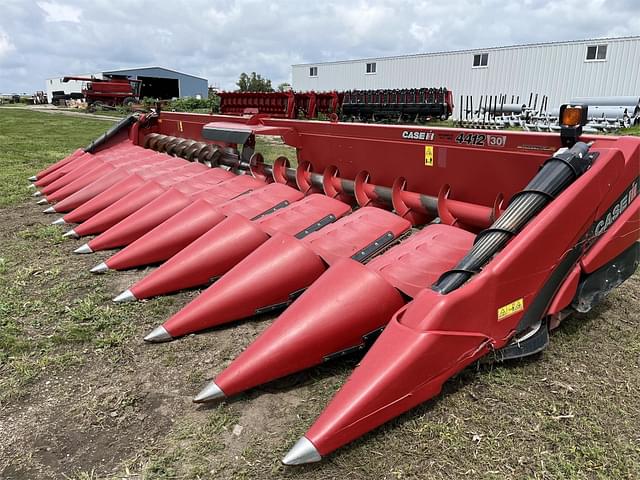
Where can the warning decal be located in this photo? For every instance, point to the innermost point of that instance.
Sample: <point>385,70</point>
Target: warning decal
<point>511,309</point>
<point>428,155</point>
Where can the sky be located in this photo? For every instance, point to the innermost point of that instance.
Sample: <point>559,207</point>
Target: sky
<point>219,39</point>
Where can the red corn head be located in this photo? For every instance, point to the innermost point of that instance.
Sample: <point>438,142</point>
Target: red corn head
<point>87,193</point>
<point>59,164</point>
<point>171,166</point>
<point>165,206</point>
<point>283,266</point>
<point>137,199</point>
<point>56,192</point>
<point>100,185</point>
<point>406,366</point>
<point>85,164</point>
<point>54,175</point>
<point>195,220</point>
<point>336,315</point>
<point>101,173</point>
<point>225,245</point>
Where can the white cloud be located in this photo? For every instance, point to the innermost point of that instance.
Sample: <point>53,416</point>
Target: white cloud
<point>219,39</point>
<point>59,12</point>
<point>424,33</point>
<point>6,46</point>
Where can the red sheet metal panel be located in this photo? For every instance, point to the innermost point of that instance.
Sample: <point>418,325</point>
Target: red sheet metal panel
<point>356,232</point>
<point>304,214</point>
<point>418,262</point>
<point>274,195</point>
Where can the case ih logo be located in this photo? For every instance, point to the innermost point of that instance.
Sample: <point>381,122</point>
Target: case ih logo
<point>616,209</point>
<point>418,135</point>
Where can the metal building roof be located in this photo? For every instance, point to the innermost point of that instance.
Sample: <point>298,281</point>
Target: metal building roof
<point>471,50</point>
<point>152,67</point>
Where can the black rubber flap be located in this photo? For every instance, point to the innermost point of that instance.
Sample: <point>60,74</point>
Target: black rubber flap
<point>226,135</point>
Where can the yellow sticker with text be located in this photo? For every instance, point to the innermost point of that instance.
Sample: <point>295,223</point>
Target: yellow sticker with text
<point>511,309</point>
<point>428,155</point>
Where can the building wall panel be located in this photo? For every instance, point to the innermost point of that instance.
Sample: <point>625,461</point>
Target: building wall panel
<point>558,70</point>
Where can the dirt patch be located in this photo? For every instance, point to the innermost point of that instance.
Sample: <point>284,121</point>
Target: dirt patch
<point>126,407</point>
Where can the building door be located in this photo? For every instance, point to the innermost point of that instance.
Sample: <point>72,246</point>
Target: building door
<point>161,88</point>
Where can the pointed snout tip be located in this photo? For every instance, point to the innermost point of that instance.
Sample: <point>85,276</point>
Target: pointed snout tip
<point>158,335</point>
<point>100,268</point>
<point>83,249</point>
<point>126,296</point>
<point>302,452</point>
<point>71,234</point>
<point>210,393</point>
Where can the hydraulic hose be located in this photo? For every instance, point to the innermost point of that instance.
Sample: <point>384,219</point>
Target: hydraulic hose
<point>122,124</point>
<point>556,175</point>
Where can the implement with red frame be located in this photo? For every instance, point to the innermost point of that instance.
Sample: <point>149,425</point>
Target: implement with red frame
<point>459,245</point>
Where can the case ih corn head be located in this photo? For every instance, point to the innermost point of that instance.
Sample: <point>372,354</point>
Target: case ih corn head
<point>434,247</point>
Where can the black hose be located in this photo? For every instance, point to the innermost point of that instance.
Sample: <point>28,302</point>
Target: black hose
<point>556,174</point>
<point>121,125</point>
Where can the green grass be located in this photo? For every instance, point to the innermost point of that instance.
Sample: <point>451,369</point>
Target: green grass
<point>25,149</point>
<point>630,131</point>
<point>42,313</point>
<point>44,317</point>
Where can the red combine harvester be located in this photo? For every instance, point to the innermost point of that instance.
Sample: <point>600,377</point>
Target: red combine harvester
<point>430,247</point>
<point>109,91</point>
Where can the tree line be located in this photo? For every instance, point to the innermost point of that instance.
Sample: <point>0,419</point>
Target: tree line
<point>255,82</point>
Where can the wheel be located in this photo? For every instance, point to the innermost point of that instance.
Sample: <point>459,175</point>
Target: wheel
<point>129,101</point>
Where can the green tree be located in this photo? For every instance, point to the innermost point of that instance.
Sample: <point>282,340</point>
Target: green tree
<point>284,87</point>
<point>253,83</point>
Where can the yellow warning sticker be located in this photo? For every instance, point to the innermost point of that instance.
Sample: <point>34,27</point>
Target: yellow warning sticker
<point>511,309</point>
<point>428,155</point>
<point>180,125</point>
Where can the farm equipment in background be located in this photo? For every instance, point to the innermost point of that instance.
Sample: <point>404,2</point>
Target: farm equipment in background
<point>280,104</point>
<point>108,91</point>
<point>39,98</point>
<point>427,248</point>
<point>274,104</point>
<point>605,114</point>
<point>412,105</point>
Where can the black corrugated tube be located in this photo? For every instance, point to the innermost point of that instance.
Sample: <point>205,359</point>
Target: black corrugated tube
<point>122,124</point>
<point>556,174</point>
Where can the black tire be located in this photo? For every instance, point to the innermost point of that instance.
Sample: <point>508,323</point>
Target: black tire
<point>129,101</point>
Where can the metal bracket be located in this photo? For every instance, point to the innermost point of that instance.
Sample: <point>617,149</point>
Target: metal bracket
<point>314,227</point>
<point>373,247</point>
<point>280,205</point>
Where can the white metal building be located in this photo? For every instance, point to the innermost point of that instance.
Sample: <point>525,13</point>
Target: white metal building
<point>560,70</point>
